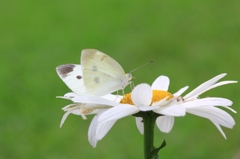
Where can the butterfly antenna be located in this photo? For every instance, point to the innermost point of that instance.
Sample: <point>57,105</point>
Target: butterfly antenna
<point>142,66</point>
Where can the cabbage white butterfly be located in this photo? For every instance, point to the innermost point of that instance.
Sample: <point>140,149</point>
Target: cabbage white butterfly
<point>98,74</point>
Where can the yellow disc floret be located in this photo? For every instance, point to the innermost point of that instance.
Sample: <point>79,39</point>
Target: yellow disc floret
<point>127,99</point>
<point>160,95</point>
<point>157,95</point>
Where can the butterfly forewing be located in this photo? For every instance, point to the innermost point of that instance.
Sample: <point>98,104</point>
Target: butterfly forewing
<point>101,73</point>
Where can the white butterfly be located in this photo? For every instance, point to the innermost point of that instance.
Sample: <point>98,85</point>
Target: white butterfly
<point>98,74</point>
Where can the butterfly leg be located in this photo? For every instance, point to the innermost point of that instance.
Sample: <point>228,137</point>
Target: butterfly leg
<point>131,85</point>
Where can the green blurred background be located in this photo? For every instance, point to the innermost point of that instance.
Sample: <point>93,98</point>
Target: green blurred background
<point>190,41</point>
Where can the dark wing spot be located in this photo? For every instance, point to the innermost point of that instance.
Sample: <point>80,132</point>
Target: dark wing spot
<point>94,68</point>
<point>64,70</point>
<point>96,80</point>
<point>79,77</point>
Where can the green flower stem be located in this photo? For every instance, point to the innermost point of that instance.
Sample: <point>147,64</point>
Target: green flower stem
<point>149,119</point>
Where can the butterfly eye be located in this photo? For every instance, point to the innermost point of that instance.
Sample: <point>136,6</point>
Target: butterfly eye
<point>129,76</point>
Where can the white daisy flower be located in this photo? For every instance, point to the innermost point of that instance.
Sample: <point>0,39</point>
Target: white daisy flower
<point>146,98</point>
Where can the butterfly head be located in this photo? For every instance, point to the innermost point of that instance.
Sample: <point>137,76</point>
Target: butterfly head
<point>129,76</point>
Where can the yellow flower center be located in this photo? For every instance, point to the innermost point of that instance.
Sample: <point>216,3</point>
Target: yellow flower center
<point>127,99</point>
<point>157,95</point>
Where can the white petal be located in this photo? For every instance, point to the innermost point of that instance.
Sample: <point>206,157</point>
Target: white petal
<point>214,114</point>
<point>92,137</point>
<point>172,110</point>
<point>203,87</point>
<point>142,95</point>
<point>111,97</point>
<point>161,83</point>
<point>72,107</point>
<point>181,91</point>
<point>76,112</point>
<point>93,100</point>
<point>220,129</point>
<point>118,112</point>
<point>64,118</point>
<point>221,83</point>
<point>207,101</point>
<point>103,128</point>
<point>98,130</point>
<point>68,96</point>
<point>80,99</point>
<point>165,123</point>
<point>231,109</point>
<point>139,123</point>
